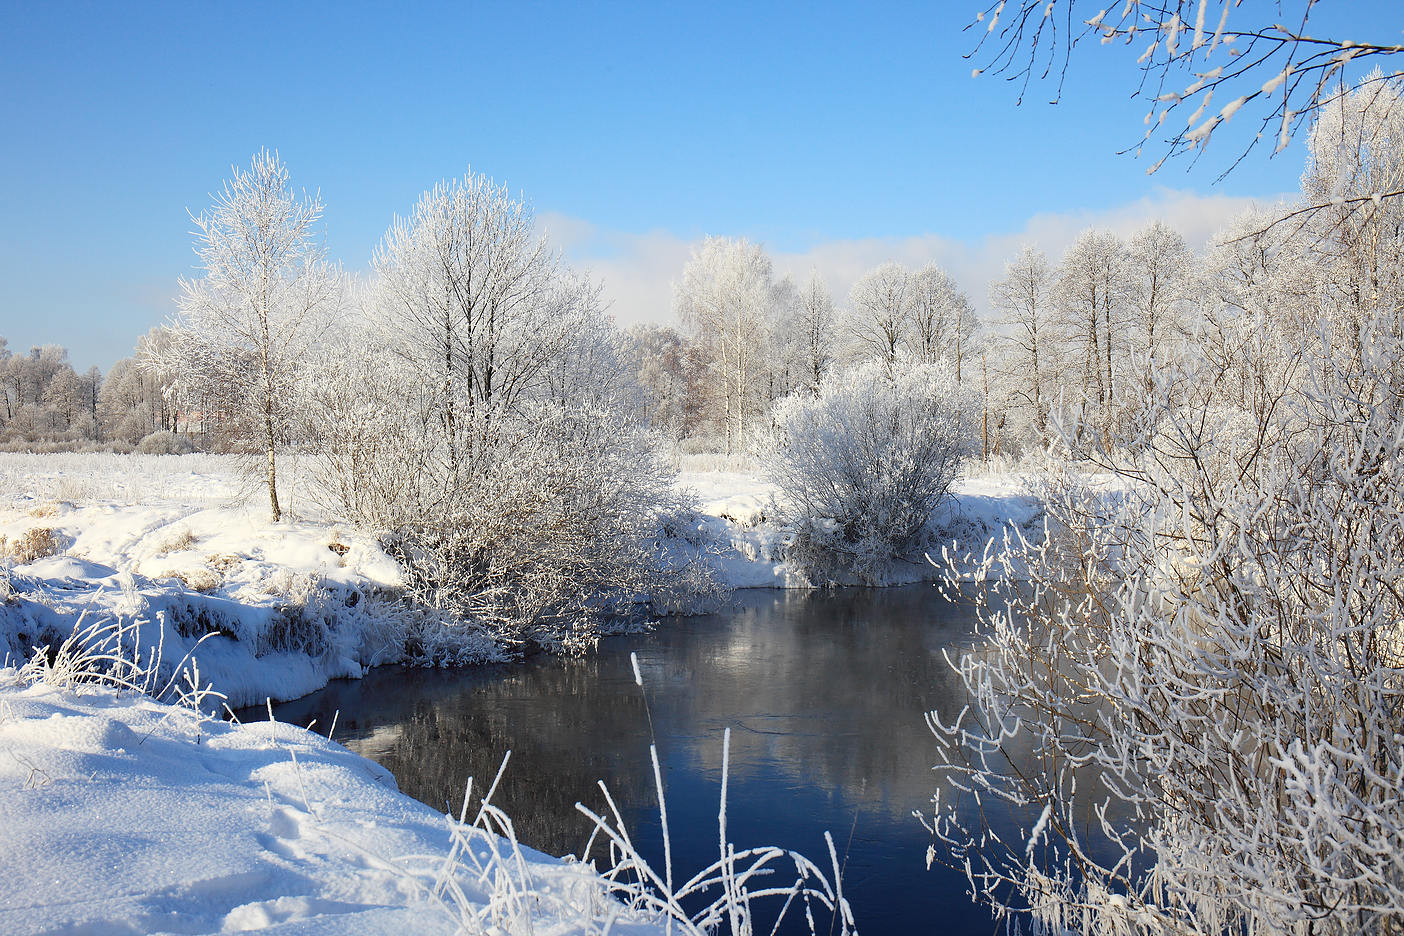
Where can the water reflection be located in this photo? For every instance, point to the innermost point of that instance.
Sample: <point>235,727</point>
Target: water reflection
<point>824,693</point>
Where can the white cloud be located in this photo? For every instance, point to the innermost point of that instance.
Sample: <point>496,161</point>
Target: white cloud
<point>638,270</point>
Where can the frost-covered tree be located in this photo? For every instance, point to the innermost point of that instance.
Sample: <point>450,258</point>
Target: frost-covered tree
<point>665,367</point>
<point>42,398</point>
<point>373,425</point>
<point>1185,712</point>
<point>861,465</point>
<point>783,357</point>
<point>1356,148</point>
<point>941,322</point>
<point>1090,295</point>
<point>246,327</point>
<point>1159,286</point>
<point>474,299</point>
<point>815,323</point>
<point>478,407</point>
<point>1265,301</point>
<point>1185,715</point>
<point>62,398</point>
<point>129,403</point>
<point>1023,298</point>
<point>726,299</point>
<point>89,387</point>
<point>879,312</point>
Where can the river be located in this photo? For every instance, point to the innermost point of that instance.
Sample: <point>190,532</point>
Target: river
<point>824,693</point>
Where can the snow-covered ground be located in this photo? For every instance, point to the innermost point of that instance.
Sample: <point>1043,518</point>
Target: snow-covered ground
<point>123,815</point>
<point>290,605</point>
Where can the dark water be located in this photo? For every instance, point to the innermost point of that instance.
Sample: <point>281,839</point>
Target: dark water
<point>824,694</point>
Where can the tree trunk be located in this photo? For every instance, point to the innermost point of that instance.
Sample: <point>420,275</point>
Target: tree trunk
<point>277,511</point>
<point>985,416</point>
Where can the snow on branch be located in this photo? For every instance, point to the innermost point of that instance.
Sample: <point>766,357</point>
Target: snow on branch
<point>1278,71</point>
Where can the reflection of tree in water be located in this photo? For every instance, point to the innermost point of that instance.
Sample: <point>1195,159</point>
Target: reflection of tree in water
<point>828,687</point>
<point>435,729</point>
<point>858,667</point>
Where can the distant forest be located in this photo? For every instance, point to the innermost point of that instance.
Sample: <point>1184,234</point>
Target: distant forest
<point>46,405</point>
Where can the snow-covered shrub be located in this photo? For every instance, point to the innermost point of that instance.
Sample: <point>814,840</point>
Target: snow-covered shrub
<point>1199,683</point>
<point>372,455</point>
<point>553,524</point>
<point>177,540</point>
<point>199,579</point>
<point>165,442</point>
<point>561,529</point>
<point>249,325</point>
<point>862,464</point>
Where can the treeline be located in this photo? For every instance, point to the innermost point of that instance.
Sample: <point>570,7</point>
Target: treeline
<point>1079,336</point>
<point>1074,340</point>
<point>46,405</point>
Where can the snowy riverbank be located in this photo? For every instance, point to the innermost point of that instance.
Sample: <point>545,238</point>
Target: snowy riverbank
<point>278,610</point>
<point>738,518</point>
<point>124,815</point>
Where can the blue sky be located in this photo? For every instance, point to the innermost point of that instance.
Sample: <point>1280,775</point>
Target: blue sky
<point>634,129</point>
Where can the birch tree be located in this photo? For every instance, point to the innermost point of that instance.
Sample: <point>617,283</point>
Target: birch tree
<point>664,365</point>
<point>473,298</point>
<point>724,297</point>
<point>245,328</point>
<point>816,329</point>
<point>1023,297</point>
<point>1090,293</point>
<point>1158,283</point>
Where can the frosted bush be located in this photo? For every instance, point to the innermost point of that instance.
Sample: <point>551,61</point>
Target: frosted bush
<point>862,465</point>
<point>1198,682</point>
<point>476,412</point>
<point>33,544</point>
<point>165,442</point>
<point>561,529</point>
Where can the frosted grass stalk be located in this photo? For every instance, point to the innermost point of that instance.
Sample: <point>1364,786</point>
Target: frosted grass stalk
<point>663,822</point>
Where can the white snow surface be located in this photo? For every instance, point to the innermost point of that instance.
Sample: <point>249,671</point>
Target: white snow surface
<point>123,815</point>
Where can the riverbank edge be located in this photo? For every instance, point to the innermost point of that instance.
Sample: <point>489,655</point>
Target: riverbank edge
<point>275,611</point>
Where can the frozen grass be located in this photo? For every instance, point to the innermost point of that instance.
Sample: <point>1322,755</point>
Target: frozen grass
<point>36,542</point>
<point>726,893</point>
<point>106,650</point>
<point>700,462</point>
